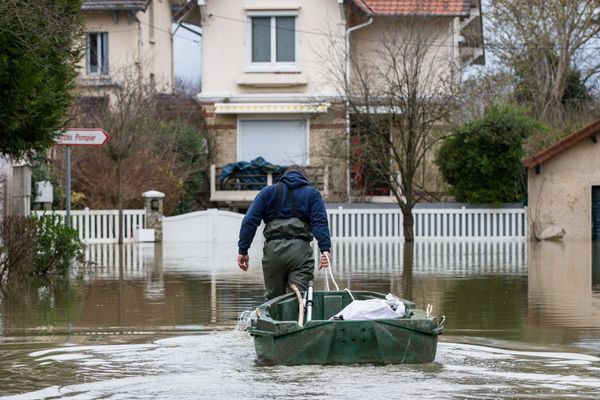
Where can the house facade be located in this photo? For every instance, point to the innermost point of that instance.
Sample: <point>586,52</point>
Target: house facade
<point>271,73</point>
<point>563,186</point>
<point>126,39</point>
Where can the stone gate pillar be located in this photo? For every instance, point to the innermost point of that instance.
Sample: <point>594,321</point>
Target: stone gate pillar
<point>153,205</point>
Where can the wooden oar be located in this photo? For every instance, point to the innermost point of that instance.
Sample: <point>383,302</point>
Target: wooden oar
<point>300,304</point>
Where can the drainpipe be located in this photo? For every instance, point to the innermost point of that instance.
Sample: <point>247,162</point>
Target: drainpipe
<point>347,86</point>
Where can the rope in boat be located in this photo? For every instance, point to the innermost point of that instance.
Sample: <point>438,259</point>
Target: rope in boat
<point>330,274</point>
<point>333,280</point>
<point>429,306</point>
<point>350,293</point>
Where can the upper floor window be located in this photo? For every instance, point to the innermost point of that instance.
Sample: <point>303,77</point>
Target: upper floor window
<point>97,53</point>
<point>273,39</point>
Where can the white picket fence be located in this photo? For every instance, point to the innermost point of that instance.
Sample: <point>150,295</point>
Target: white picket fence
<point>429,223</point>
<point>101,226</point>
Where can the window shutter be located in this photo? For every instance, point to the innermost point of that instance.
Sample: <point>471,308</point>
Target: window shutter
<point>104,48</point>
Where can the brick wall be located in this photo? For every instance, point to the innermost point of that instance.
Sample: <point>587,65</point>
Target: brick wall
<point>180,108</point>
<point>222,133</point>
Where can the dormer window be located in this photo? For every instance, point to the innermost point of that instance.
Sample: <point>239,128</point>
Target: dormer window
<point>273,39</point>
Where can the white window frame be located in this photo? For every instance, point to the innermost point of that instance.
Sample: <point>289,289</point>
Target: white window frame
<point>99,55</point>
<point>274,118</point>
<point>273,65</point>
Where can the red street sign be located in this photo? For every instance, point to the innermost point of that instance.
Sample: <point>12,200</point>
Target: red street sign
<point>82,137</point>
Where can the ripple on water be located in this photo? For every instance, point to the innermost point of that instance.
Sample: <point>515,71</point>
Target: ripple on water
<point>222,365</point>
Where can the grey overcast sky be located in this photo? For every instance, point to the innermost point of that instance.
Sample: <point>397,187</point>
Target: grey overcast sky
<point>186,53</point>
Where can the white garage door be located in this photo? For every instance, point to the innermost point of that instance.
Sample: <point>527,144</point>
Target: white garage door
<point>283,142</point>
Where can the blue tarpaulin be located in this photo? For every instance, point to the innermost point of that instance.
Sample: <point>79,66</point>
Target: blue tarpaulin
<point>253,174</point>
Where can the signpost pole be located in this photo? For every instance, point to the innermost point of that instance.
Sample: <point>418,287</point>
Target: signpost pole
<point>68,194</point>
<point>78,137</point>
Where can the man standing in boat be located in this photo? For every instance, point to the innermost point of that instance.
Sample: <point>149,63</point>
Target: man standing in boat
<point>294,213</point>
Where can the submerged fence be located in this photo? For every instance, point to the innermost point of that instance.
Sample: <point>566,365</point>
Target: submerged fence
<point>431,257</point>
<point>429,223</point>
<point>102,226</point>
<point>350,258</point>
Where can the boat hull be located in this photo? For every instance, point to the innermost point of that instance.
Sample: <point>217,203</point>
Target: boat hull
<point>347,342</point>
<point>391,341</point>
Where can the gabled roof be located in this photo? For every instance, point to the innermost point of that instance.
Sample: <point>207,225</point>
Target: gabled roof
<point>448,8</point>
<point>114,5</point>
<point>588,131</point>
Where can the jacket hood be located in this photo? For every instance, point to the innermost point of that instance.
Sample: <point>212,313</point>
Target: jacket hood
<point>294,180</point>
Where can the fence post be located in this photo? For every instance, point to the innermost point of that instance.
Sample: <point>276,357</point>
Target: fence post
<point>86,225</point>
<point>463,222</point>
<point>153,205</point>
<point>526,222</point>
<point>213,180</point>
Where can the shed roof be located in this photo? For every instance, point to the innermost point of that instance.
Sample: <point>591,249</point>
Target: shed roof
<point>114,5</point>
<point>414,7</point>
<point>574,138</point>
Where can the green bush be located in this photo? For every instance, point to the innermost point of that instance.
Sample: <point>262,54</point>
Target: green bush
<point>33,247</point>
<point>57,246</point>
<point>192,156</point>
<point>482,160</point>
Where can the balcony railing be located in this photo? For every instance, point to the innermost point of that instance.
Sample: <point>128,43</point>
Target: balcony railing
<point>243,189</point>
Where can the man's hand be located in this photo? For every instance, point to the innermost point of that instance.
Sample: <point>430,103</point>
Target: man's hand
<point>324,256</point>
<point>243,262</point>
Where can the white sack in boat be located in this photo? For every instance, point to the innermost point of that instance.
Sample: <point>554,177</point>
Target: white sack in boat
<point>372,309</point>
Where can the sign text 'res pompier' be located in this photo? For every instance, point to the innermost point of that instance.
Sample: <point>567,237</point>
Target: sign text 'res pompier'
<point>82,137</point>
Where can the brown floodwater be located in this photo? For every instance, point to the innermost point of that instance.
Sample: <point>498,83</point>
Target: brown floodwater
<point>145,321</point>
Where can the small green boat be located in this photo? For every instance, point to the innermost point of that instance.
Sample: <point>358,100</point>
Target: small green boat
<point>279,339</point>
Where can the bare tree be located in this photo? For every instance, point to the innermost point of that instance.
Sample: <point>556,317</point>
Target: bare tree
<point>128,117</point>
<point>126,120</point>
<point>156,143</point>
<point>402,90</point>
<point>541,42</point>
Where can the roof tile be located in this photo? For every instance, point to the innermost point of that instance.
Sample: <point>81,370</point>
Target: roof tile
<point>415,7</point>
<point>587,131</point>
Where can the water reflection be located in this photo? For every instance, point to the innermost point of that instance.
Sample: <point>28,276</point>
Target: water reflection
<point>484,288</point>
<point>560,285</point>
<point>192,286</point>
<point>503,294</point>
<point>429,257</point>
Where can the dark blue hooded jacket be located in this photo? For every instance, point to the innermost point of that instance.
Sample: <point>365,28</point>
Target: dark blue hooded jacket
<point>308,201</point>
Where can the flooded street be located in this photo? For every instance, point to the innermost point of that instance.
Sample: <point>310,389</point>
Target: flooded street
<point>521,322</point>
